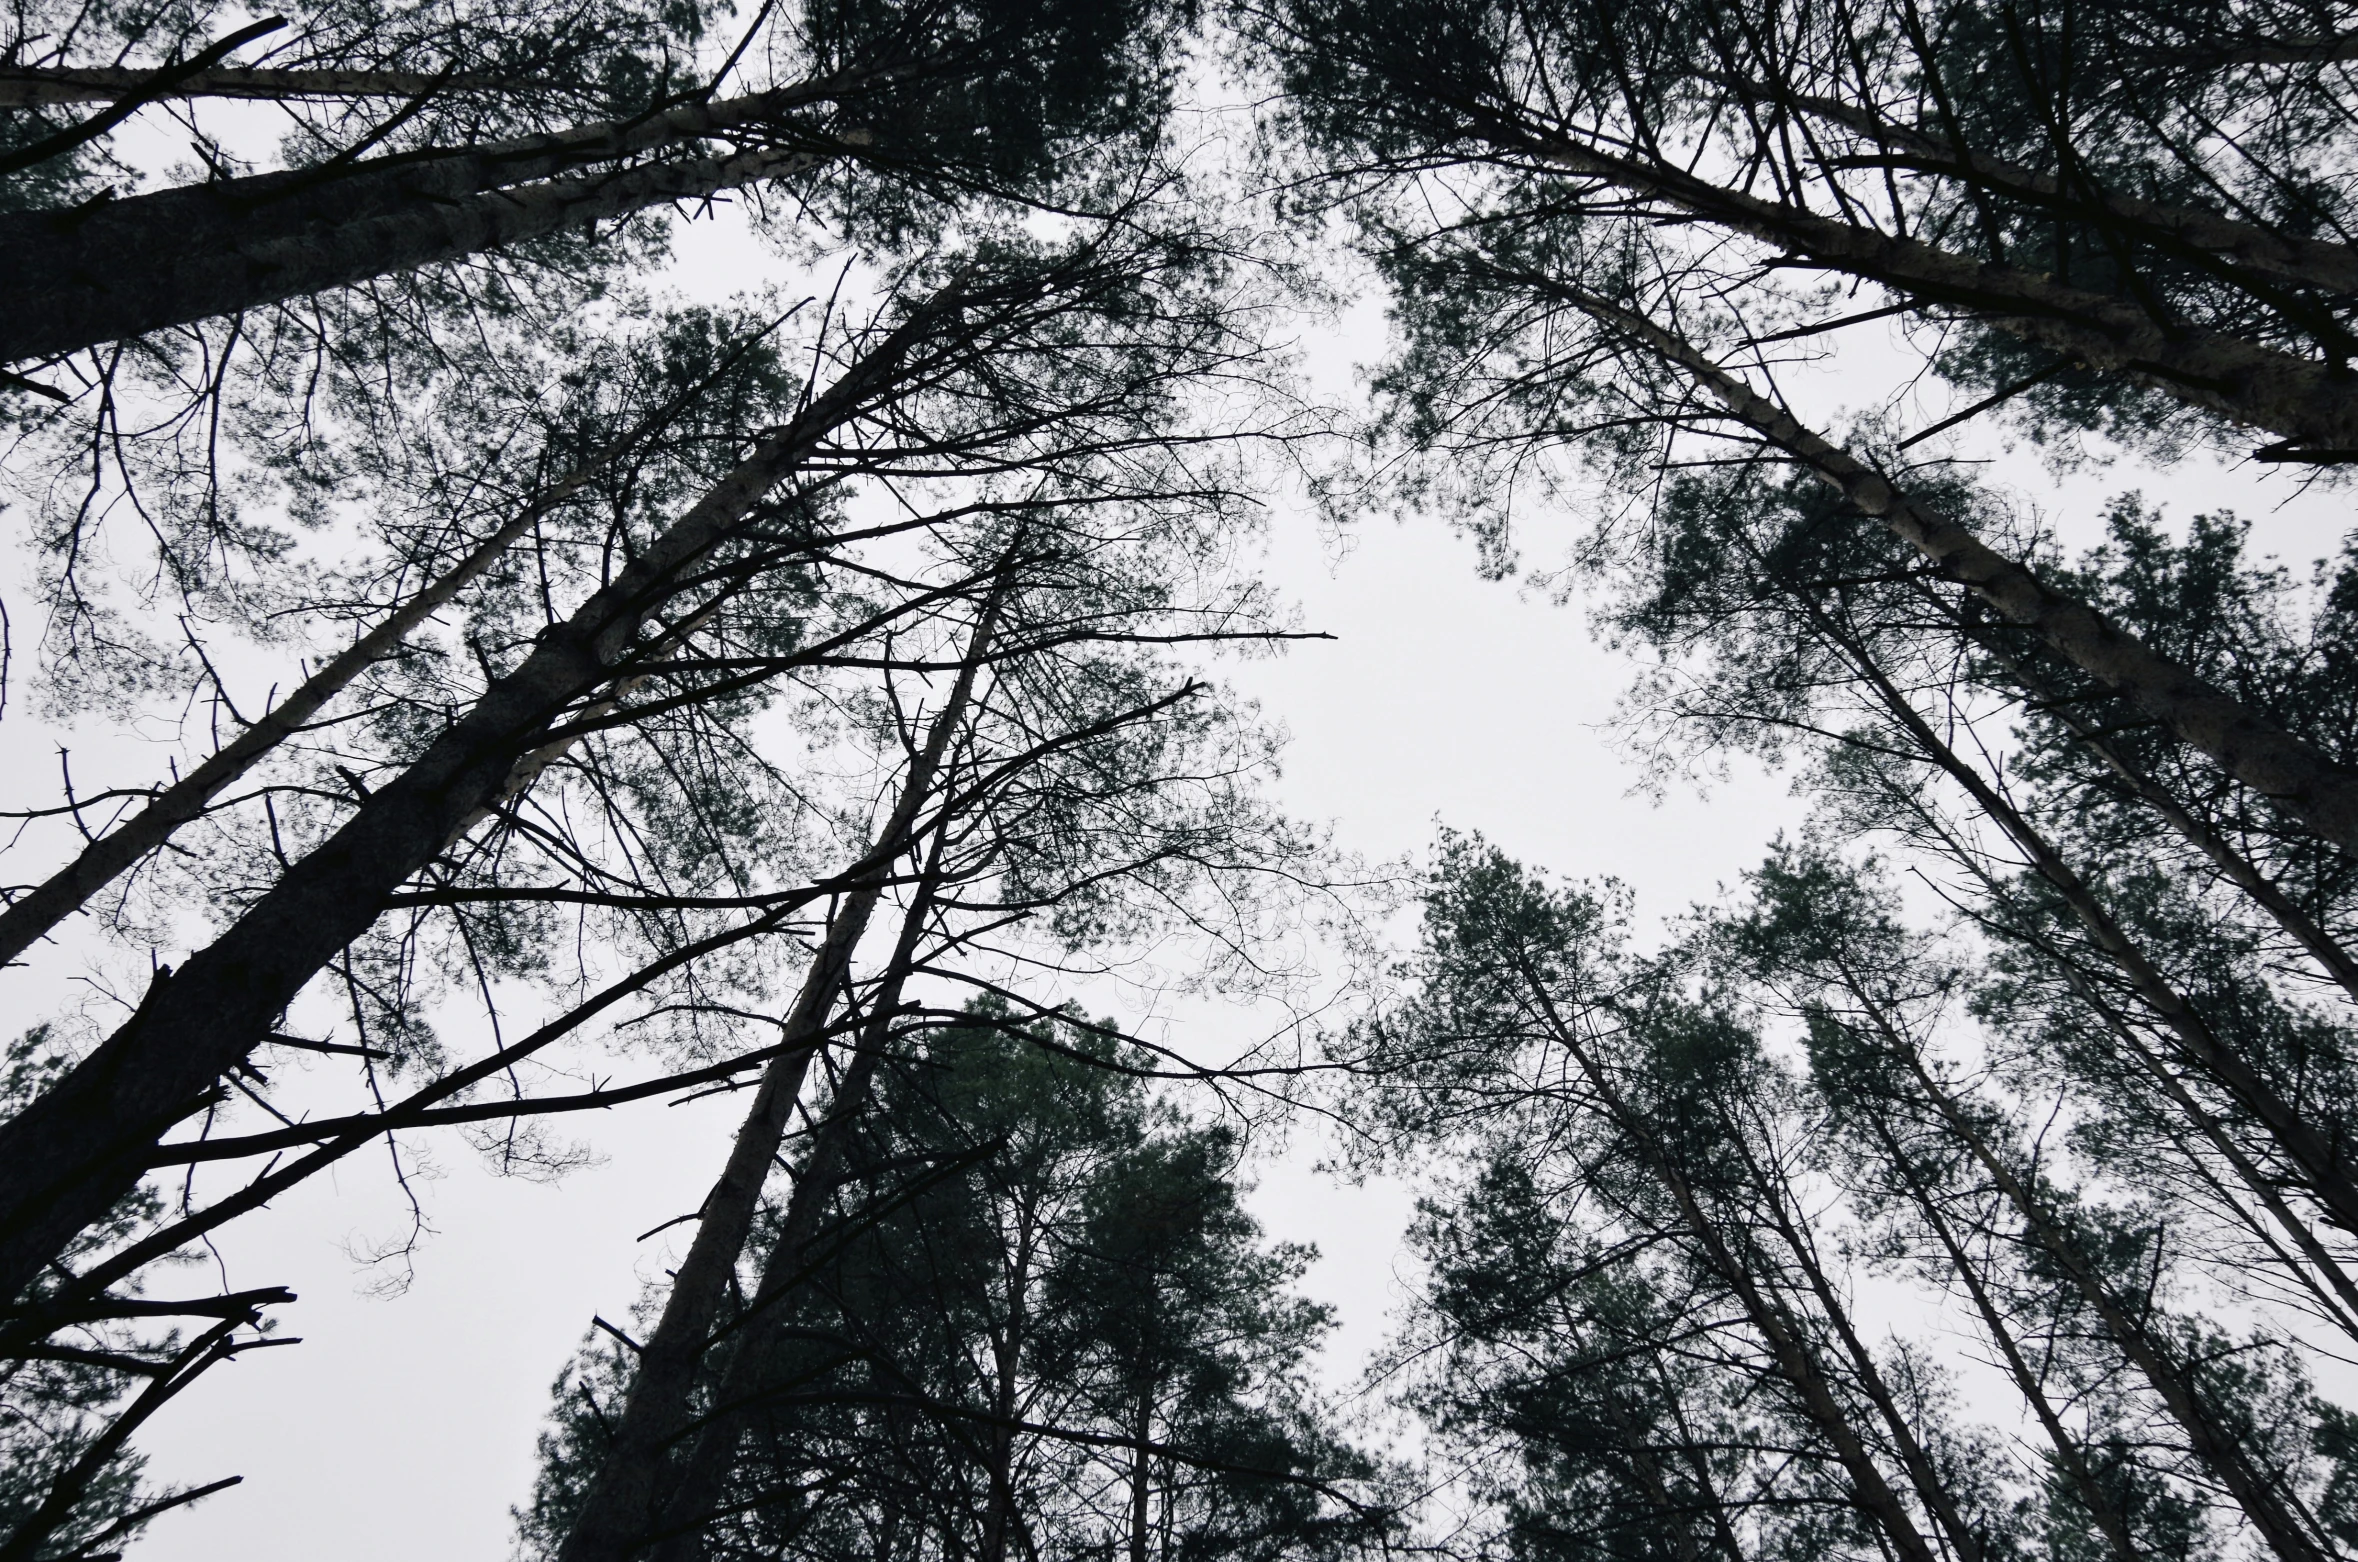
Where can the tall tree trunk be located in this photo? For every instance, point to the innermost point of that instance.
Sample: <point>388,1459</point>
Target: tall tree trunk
<point>1141,1489</point>
<point>696,1488</point>
<point>2307,401</point>
<point>28,86</point>
<point>2324,1169</point>
<point>1789,1348</point>
<point>2172,1381</point>
<point>623,1502</point>
<point>64,892</point>
<point>77,1150</point>
<point>2068,1453</point>
<point>80,278</point>
<point>2246,744</point>
<point>2187,230</point>
<point>1931,1490</point>
<point>2238,869</point>
<point>999,1518</point>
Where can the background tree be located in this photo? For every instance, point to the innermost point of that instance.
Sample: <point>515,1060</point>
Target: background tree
<point>1034,1321</point>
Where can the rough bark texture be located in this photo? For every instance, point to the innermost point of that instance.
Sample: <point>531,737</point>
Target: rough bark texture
<point>628,1494</point>
<point>66,1159</point>
<point>74,279</point>
<point>2311,404</point>
<point>2248,746</point>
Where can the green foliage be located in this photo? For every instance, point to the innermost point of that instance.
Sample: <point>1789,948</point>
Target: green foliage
<point>1032,1265</point>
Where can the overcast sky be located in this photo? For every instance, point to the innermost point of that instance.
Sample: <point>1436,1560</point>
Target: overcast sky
<point>403,1427</point>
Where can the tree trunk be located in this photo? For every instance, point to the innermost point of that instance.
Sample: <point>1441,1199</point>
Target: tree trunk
<point>2253,1490</point>
<point>67,890</point>
<point>2238,869</point>
<point>1141,1489</point>
<point>77,1150</point>
<point>1930,1489</point>
<point>2068,1451</point>
<point>1788,1349</point>
<point>2248,746</point>
<point>2319,263</point>
<point>2325,1173</point>
<point>28,86</point>
<point>1007,1361</point>
<point>624,1499</point>
<point>75,279</point>
<point>702,1477</point>
<point>2307,401</point>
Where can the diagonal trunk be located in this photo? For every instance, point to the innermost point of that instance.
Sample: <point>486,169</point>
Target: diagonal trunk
<point>1931,1490</point>
<point>1789,1349</point>
<point>75,279</point>
<point>2254,1491</point>
<point>26,86</point>
<point>2319,263</point>
<point>2068,1452</point>
<point>70,1156</point>
<point>64,892</point>
<point>68,311</point>
<point>2238,869</point>
<point>2309,402</point>
<point>2244,743</point>
<point>696,1489</point>
<point>2324,1169</point>
<point>623,1501</point>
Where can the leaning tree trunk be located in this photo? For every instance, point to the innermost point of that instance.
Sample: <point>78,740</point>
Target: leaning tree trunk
<point>78,1149</point>
<point>2125,1321</point>
<point>702,1476</point>
<point>2243,742</point>
<point>75,279</point>
<point>30,918</point>
<point>1789,1349</point>
<point>627,1494</point>
<point>2324,1167</point>
<point>2307,401</point>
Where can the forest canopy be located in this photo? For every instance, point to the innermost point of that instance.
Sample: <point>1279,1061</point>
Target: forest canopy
<point>572,566</point>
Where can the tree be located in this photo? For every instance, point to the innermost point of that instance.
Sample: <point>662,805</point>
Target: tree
<point>1055,370</point>
<point>1638,1329</point>
<point>935,98</point>
<point>1650,1109</point>
<point>1034,1317</point>
<point>2105,222</point>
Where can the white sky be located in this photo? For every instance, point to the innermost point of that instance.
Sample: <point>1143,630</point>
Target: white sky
<point>403,1428</point>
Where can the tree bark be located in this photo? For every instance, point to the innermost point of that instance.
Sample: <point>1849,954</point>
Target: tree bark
<point>70,1156</point>
<point>2324,1170</point>
<point>2068,1452</point>
<point>64,892</point>
<point>29,86</point>
<point>1141,1490</point>
<point>75,279</point>
<point>2318,263</point>
<point>2310,403</point>
<point>624,1500</point>
<point>696,1489</point>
